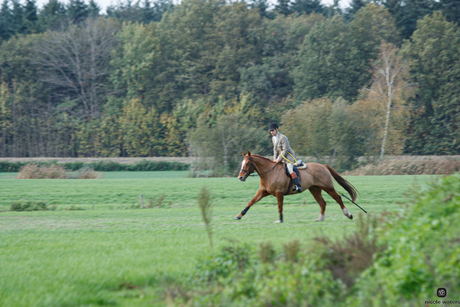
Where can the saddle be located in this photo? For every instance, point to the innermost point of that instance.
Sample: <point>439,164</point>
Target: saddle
<point>296,171</point>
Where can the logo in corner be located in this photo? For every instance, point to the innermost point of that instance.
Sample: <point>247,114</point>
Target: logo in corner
<point>441,292</point>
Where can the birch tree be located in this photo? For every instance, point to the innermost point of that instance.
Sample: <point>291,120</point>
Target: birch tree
<point>389,83</point>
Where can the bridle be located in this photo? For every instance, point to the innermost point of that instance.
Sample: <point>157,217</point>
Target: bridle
<point>249,168</point>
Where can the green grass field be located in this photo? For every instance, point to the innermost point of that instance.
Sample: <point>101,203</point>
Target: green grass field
<point>109,254</point>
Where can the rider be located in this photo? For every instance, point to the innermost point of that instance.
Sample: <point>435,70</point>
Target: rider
<point>282,148</point>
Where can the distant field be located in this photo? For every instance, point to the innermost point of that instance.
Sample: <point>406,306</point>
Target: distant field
<point>87,257</point>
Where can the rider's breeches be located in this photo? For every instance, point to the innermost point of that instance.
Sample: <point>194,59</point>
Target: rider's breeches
<point>290,168</point>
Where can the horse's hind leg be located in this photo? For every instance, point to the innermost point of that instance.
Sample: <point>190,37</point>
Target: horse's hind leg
<point>316,192</point>
<point>338,199</point>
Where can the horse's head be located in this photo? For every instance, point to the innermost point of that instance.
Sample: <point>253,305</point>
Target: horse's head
<point>247,167</point>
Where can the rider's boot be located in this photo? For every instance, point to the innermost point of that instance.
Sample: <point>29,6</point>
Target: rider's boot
<point>296,183</point>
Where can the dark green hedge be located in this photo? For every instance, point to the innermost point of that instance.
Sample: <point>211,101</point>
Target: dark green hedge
<point>104,166</point>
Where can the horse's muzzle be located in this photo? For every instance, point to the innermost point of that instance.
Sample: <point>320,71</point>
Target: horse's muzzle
<point>242,178</point>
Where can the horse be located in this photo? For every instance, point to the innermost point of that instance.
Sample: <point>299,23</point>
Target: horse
<point>274,181</point>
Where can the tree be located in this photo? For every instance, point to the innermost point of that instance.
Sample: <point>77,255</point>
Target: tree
<point>134,63</point>
<point>307,127</point>
<point>371,25</point>
<point>330,131</point>
<point>327,66</point>
<point>30,16</point>
<point>389,90</point>
<point>5,119</point>
<point>75,63</point>
<point>93,9</point>
<point>434,51</point>
<point>17,18</point>
<point>52,16</point>
<point>407,12</point>
<point>355,6</point>
<point>270,80</point>
<point>203,45</point>
<point>77,11</point>
<point>218,147</point>
<point>146,13</point>
<point>308,7</point>
<point>451,9</point>
<point>335,58</point>
<point>262,6</point>
<point>284,7</point>
<point>140,130</point>
<point>6,21</point>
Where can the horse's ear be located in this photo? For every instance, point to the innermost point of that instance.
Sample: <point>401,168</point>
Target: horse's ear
<point>249,153</point>
<point>244,155</point>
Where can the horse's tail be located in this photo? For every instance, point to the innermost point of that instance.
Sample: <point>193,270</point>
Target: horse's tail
<point>344,183</point>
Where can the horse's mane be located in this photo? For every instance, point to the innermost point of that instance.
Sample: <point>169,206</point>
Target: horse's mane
<point>259,156</point>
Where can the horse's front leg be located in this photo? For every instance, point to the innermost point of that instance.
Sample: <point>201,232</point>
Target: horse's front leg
<point>280,199</point>
<point>259,195</point>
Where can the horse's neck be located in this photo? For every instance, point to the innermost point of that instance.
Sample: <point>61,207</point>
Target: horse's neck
<point>263,165</point>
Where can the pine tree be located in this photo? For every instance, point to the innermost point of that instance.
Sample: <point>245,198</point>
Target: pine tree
<point>6,16</point>
<point>52,15</point>
<point>451,9</point>
<point>262,6</point>
<point>30,16</point>
<point>284,7</point>
<point>410,11</point>
<point>354,7</point>
<point>77,11</point>
<point>93,9</point>
<point>17,20</point>
<point>308,6</point>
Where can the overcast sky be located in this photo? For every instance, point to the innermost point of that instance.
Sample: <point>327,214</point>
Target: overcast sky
<point>105,3</point>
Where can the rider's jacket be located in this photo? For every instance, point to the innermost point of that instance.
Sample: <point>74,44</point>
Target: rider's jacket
<point>281,146</point>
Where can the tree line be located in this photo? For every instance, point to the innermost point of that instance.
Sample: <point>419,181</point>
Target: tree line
<point>206,77</point>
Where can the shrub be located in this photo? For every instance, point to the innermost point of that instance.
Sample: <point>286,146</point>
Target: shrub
<point>391,260</point>
<point>423,251</point>
<point>242,278</point>
<point>408,167</point>
<point>101,166</point>
<point>155,203</point>
<point>34,171</point>
<point>28,206</point>
<point>85,173</point>
<point>54,171</point>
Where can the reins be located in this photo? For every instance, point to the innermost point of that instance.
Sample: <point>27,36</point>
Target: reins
<point>249,168</point>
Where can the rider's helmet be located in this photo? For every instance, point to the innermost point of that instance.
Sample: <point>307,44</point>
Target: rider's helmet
<point>272,126</point>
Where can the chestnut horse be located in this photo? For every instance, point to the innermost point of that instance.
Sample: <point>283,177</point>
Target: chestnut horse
<point>274,181</point>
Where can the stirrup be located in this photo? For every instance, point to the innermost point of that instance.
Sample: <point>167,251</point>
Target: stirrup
<point>297,188</point>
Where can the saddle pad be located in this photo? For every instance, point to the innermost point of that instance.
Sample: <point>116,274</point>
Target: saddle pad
<point>304,166</point>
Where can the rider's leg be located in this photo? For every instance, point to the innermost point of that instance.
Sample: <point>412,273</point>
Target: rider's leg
<point>297,186</point>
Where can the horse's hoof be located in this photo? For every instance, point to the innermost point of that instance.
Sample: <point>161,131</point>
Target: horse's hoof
<point>320,219</point>
<point>278,221</point>
<point>237,218</point>
<point>347,214</point>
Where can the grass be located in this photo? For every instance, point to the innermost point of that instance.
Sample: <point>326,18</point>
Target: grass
<point>110,255</point>
<point>125,175</point>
